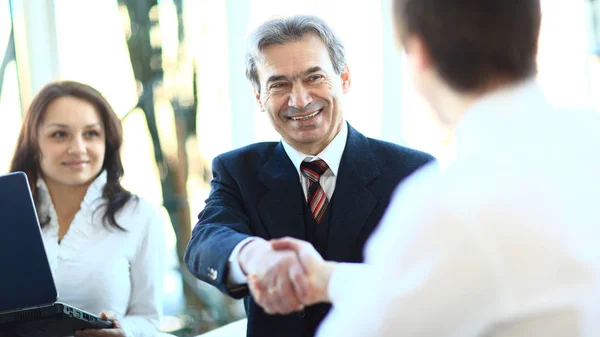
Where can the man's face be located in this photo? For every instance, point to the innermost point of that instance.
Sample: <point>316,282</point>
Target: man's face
<point>302,94</point>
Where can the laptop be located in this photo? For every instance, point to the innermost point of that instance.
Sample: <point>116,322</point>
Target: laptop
<point>28,294</point>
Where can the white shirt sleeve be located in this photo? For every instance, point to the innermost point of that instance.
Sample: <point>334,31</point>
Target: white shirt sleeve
<point>147,270</point>
<point>425,275</point>
<point>236,275</point>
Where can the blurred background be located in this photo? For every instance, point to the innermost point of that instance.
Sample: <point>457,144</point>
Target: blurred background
<point>174,72</point>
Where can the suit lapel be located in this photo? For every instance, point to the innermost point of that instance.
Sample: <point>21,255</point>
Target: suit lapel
<point>352,201</point>
<point>281,208</point>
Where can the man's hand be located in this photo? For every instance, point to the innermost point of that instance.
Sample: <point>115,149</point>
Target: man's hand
<point>272,276</point>
<point>318,270</point>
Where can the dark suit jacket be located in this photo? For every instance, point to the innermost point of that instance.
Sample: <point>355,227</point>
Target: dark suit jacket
<point>256,191</point>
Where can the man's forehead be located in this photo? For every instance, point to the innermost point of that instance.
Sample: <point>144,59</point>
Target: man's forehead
<point>296,62</point>
<point>293,58</point>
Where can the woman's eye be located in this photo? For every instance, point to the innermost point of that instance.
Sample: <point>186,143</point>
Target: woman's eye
<point>59,134</point>
<point>90,134</point>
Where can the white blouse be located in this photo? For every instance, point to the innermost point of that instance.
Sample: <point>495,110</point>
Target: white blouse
<point>98,268</point>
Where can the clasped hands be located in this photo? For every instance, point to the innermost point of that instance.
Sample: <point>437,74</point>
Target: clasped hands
<point>284,275</point>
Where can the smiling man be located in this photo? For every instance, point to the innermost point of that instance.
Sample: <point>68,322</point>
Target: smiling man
<point>270,190</point>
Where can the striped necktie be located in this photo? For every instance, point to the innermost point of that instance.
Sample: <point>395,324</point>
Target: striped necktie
<point>316,197</point>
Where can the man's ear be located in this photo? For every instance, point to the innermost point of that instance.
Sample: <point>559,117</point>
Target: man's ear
<point>417,53</point>
<point>346,80</point>
<point>258,102</point>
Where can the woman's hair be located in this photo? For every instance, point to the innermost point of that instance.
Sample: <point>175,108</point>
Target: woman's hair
<point>27,156</point>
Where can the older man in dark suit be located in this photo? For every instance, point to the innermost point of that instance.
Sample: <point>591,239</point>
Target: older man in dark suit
<point>324,182</point>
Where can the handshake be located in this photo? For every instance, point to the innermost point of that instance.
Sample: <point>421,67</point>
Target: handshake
<point>284,275</point>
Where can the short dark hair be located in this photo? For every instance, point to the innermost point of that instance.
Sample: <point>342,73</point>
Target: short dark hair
<point>474,43</point>
<point>290,29</point>
<point>27,156</point>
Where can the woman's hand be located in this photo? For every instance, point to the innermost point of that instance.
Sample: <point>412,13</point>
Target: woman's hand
<point>115,331</point>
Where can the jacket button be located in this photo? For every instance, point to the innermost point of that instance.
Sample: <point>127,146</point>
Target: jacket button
<point>302,313</point>
<point>212,273</point>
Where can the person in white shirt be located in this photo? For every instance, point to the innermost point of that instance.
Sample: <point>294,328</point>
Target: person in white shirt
<point>503,241</point>
<point>105,246</point>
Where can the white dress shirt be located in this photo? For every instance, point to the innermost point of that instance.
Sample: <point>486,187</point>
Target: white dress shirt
<point>332,155</point>
<point>503,242</point>
<point>99,269</point>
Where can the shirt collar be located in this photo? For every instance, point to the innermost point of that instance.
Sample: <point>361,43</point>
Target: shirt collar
<point>489,119</point>
<point>332,154</point>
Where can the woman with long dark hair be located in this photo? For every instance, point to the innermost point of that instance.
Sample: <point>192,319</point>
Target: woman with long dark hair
<point>105,245</point>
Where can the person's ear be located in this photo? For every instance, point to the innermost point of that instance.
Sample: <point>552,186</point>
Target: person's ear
<point>346,80</point>
<point>258,101</point>
<point>417,53</point>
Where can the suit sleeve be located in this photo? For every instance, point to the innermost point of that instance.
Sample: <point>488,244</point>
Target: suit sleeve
<point>222,224</point>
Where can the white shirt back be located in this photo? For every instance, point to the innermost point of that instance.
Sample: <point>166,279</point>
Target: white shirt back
<point>506,234</point>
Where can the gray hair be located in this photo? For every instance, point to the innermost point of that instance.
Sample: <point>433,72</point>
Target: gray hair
<point>290,29</point>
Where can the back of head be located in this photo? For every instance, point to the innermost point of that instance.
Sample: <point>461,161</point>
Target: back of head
<point>474,43</point>
<point>280,31</point>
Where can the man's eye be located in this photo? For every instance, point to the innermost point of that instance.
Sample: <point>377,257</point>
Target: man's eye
<point>314,78</point>
<point>277,85</point>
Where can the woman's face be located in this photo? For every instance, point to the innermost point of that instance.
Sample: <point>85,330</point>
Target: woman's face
<point>72,142</point>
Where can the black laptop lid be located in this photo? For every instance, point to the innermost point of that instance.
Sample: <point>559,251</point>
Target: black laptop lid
<point>25,276</point>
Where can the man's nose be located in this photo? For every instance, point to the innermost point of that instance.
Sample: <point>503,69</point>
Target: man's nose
<point>299,97</point>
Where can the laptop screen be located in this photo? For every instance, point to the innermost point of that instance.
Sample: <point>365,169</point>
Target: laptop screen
<point>25,275</point>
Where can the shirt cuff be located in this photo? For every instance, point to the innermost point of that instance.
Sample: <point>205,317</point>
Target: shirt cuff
<point>346,278</point>
<point>236,275</point>
<point>125,326</point>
